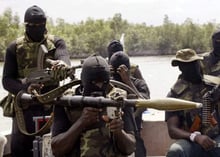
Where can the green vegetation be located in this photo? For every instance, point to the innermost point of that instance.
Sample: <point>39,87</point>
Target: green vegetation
<point>93,36</point>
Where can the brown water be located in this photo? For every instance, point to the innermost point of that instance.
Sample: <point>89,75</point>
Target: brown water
<point>157,71</point>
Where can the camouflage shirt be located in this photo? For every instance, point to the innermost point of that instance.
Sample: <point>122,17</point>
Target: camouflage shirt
<point>95,141</point>
<point>187,91</point>
<point>210,64</point>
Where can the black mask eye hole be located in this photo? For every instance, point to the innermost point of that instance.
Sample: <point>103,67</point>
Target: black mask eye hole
<point>34,24</point>
<point>99,84</point>
<point>217,40</point>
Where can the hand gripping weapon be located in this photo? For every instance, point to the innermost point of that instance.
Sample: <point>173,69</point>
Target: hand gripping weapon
<point>42,75</point>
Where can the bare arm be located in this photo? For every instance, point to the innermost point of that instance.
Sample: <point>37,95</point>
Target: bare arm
<point>125,76</point>
<point>64,142</point>
<point>125,141</point>
<point>174,131</point>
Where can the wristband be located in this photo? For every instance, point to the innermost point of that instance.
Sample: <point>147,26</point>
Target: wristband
<point>193,135</point>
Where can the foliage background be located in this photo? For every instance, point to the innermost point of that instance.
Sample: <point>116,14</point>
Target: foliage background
<point>93,36</point>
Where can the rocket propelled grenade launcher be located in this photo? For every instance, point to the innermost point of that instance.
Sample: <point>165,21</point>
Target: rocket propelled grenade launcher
<point>167,104</point>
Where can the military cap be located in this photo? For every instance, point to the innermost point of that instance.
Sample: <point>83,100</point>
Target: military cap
<point>185,55</point>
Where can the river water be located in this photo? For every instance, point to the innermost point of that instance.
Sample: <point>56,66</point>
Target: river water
<point>157,71</point>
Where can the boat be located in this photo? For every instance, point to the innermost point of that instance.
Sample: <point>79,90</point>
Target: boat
<point>154,134</point>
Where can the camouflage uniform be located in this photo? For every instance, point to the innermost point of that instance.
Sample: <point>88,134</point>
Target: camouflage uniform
<point>96,141</point>
<point>187,90</point>
<point>210,64</point>
<point>20,61</point>
<point>84,130</point>
<point>211,61</point>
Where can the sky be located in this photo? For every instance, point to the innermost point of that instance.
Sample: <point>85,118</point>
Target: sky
<point>151,12</point>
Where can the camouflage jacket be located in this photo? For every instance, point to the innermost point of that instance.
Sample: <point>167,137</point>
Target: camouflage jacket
<point>210,64</point>
<point>97,140</point>
<point>188,91</point>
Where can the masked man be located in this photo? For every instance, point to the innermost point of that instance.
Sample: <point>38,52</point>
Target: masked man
<point>116,46</point>
<point>196,135</point>
<point>88,131</point>
<point>211,61</point>
<point>21,60</point>
<point>120,70</point>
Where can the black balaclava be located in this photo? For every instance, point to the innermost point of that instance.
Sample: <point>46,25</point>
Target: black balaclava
<point>216,43</point>
<point>116,60</point>
<point>35,23</point>
<point>114,46</point>
<point>191,71</point>
<point>95,68</point>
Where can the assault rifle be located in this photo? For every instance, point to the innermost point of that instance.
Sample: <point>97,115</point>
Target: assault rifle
<point>47,74</point>
<point>42,75</point>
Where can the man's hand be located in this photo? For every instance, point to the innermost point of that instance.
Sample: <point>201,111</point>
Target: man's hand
<point>206,142</point>
<point>124,73</point>
<point>57,63</point>
<point>90,116</point>
<point>34,87</point>
<point>116,125</point>
<point>59,69</point>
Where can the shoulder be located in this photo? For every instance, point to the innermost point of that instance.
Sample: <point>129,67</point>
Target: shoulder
<point>20,40</point>
<point>59,42</point>
<point>141,85</point>
<point>51,37</point>
<point>12,44</point>
<point>54,38</point>
<point>205,54</point>
<point>211,80</point>
<point>11,48</point>
<point>133,67</point>
<point>138,81</point>
<point>179,87</point>
<point>115,91</point>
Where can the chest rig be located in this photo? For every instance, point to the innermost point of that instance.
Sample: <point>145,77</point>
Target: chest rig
<point>27,54</point>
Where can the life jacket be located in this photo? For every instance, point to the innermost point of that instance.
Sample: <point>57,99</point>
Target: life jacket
<point>96,140</point>
<point>27,54</point>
